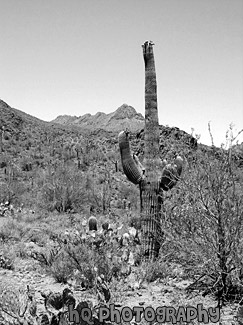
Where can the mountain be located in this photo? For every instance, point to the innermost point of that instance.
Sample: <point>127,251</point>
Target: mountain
<point>16,123</point>
<point>124,117</point>
<point>21,134</point>
<point>19,125</point>
<point>35,153</point>
<point>15,120</point>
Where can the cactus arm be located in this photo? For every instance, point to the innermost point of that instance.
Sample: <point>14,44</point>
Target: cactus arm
<point>139,165</point>
<point>171,174</point>
<point>131,167</point>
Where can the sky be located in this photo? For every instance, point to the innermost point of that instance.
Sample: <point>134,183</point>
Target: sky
<point>75,57</point>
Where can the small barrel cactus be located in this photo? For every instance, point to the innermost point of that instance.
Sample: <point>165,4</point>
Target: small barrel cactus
<point>92,223</point>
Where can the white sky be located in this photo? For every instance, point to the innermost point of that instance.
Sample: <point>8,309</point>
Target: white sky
<point>83,56</point>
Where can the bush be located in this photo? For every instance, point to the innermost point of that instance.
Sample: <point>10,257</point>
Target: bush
<point>152,271</point>
<point>61,268</point>
<point>11,231</point>
<point>3,164</point>
<point>63,190</point>
<point>204,218</point>
<point>7,258</point>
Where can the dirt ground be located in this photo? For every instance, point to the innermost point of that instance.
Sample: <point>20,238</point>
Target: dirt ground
<point>162,292</point>
<point>157,294</point>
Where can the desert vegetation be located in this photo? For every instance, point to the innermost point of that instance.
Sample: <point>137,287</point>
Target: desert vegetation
<point>72,231</point>
<point>51,189</point>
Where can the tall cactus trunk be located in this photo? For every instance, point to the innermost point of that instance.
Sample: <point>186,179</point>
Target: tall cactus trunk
<point>151,198</point>
<point>154,177</point>
<point>151,110</point>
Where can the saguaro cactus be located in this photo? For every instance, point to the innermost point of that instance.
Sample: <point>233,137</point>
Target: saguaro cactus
<point>156,176</point>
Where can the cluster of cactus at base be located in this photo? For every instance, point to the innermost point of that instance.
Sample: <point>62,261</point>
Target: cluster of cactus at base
<point>20,308</point>
<point>119,248</point>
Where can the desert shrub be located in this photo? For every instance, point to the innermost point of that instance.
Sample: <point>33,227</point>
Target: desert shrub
<point>11,231</point>
<point>11,190</point>
<point>135,221</point>
<point>3,163</point>
<point>203,223</point>
<point>61,268</point>
<point>152,271</point>
<point>93,256</point>
<point>5,160</point>
<point>26,164</point>
<point>63,257</point>
<point>21,251</point>
<point>83,259</point>
<point>129,193</point>
<point>63,190</point>
<point>47,256</point>
<point>7,257</point>
<point>35,234</point>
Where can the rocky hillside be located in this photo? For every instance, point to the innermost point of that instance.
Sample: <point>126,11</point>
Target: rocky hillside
<point>21,126</point>
<point>18,127</point>
<point>22,134</point>
<point>14,119</point>
<point>33,152</point>
<point>124,117</point>
<point>53,176</point>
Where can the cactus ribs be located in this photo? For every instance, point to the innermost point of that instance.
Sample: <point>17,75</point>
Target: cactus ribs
<point>155,176</point>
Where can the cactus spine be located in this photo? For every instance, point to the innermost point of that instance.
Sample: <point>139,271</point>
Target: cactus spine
<point>156,176</point>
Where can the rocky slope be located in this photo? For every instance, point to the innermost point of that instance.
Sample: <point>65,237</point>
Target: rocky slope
<point>13,119</point>
<point>24,126</point>
<point>124,117</point>
<point>16,125</point>
<point>19,126</point>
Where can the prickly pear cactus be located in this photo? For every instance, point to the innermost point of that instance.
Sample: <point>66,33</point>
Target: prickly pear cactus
<point>105,226</point>
<point>17,304</point>
<point>155,176</point>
